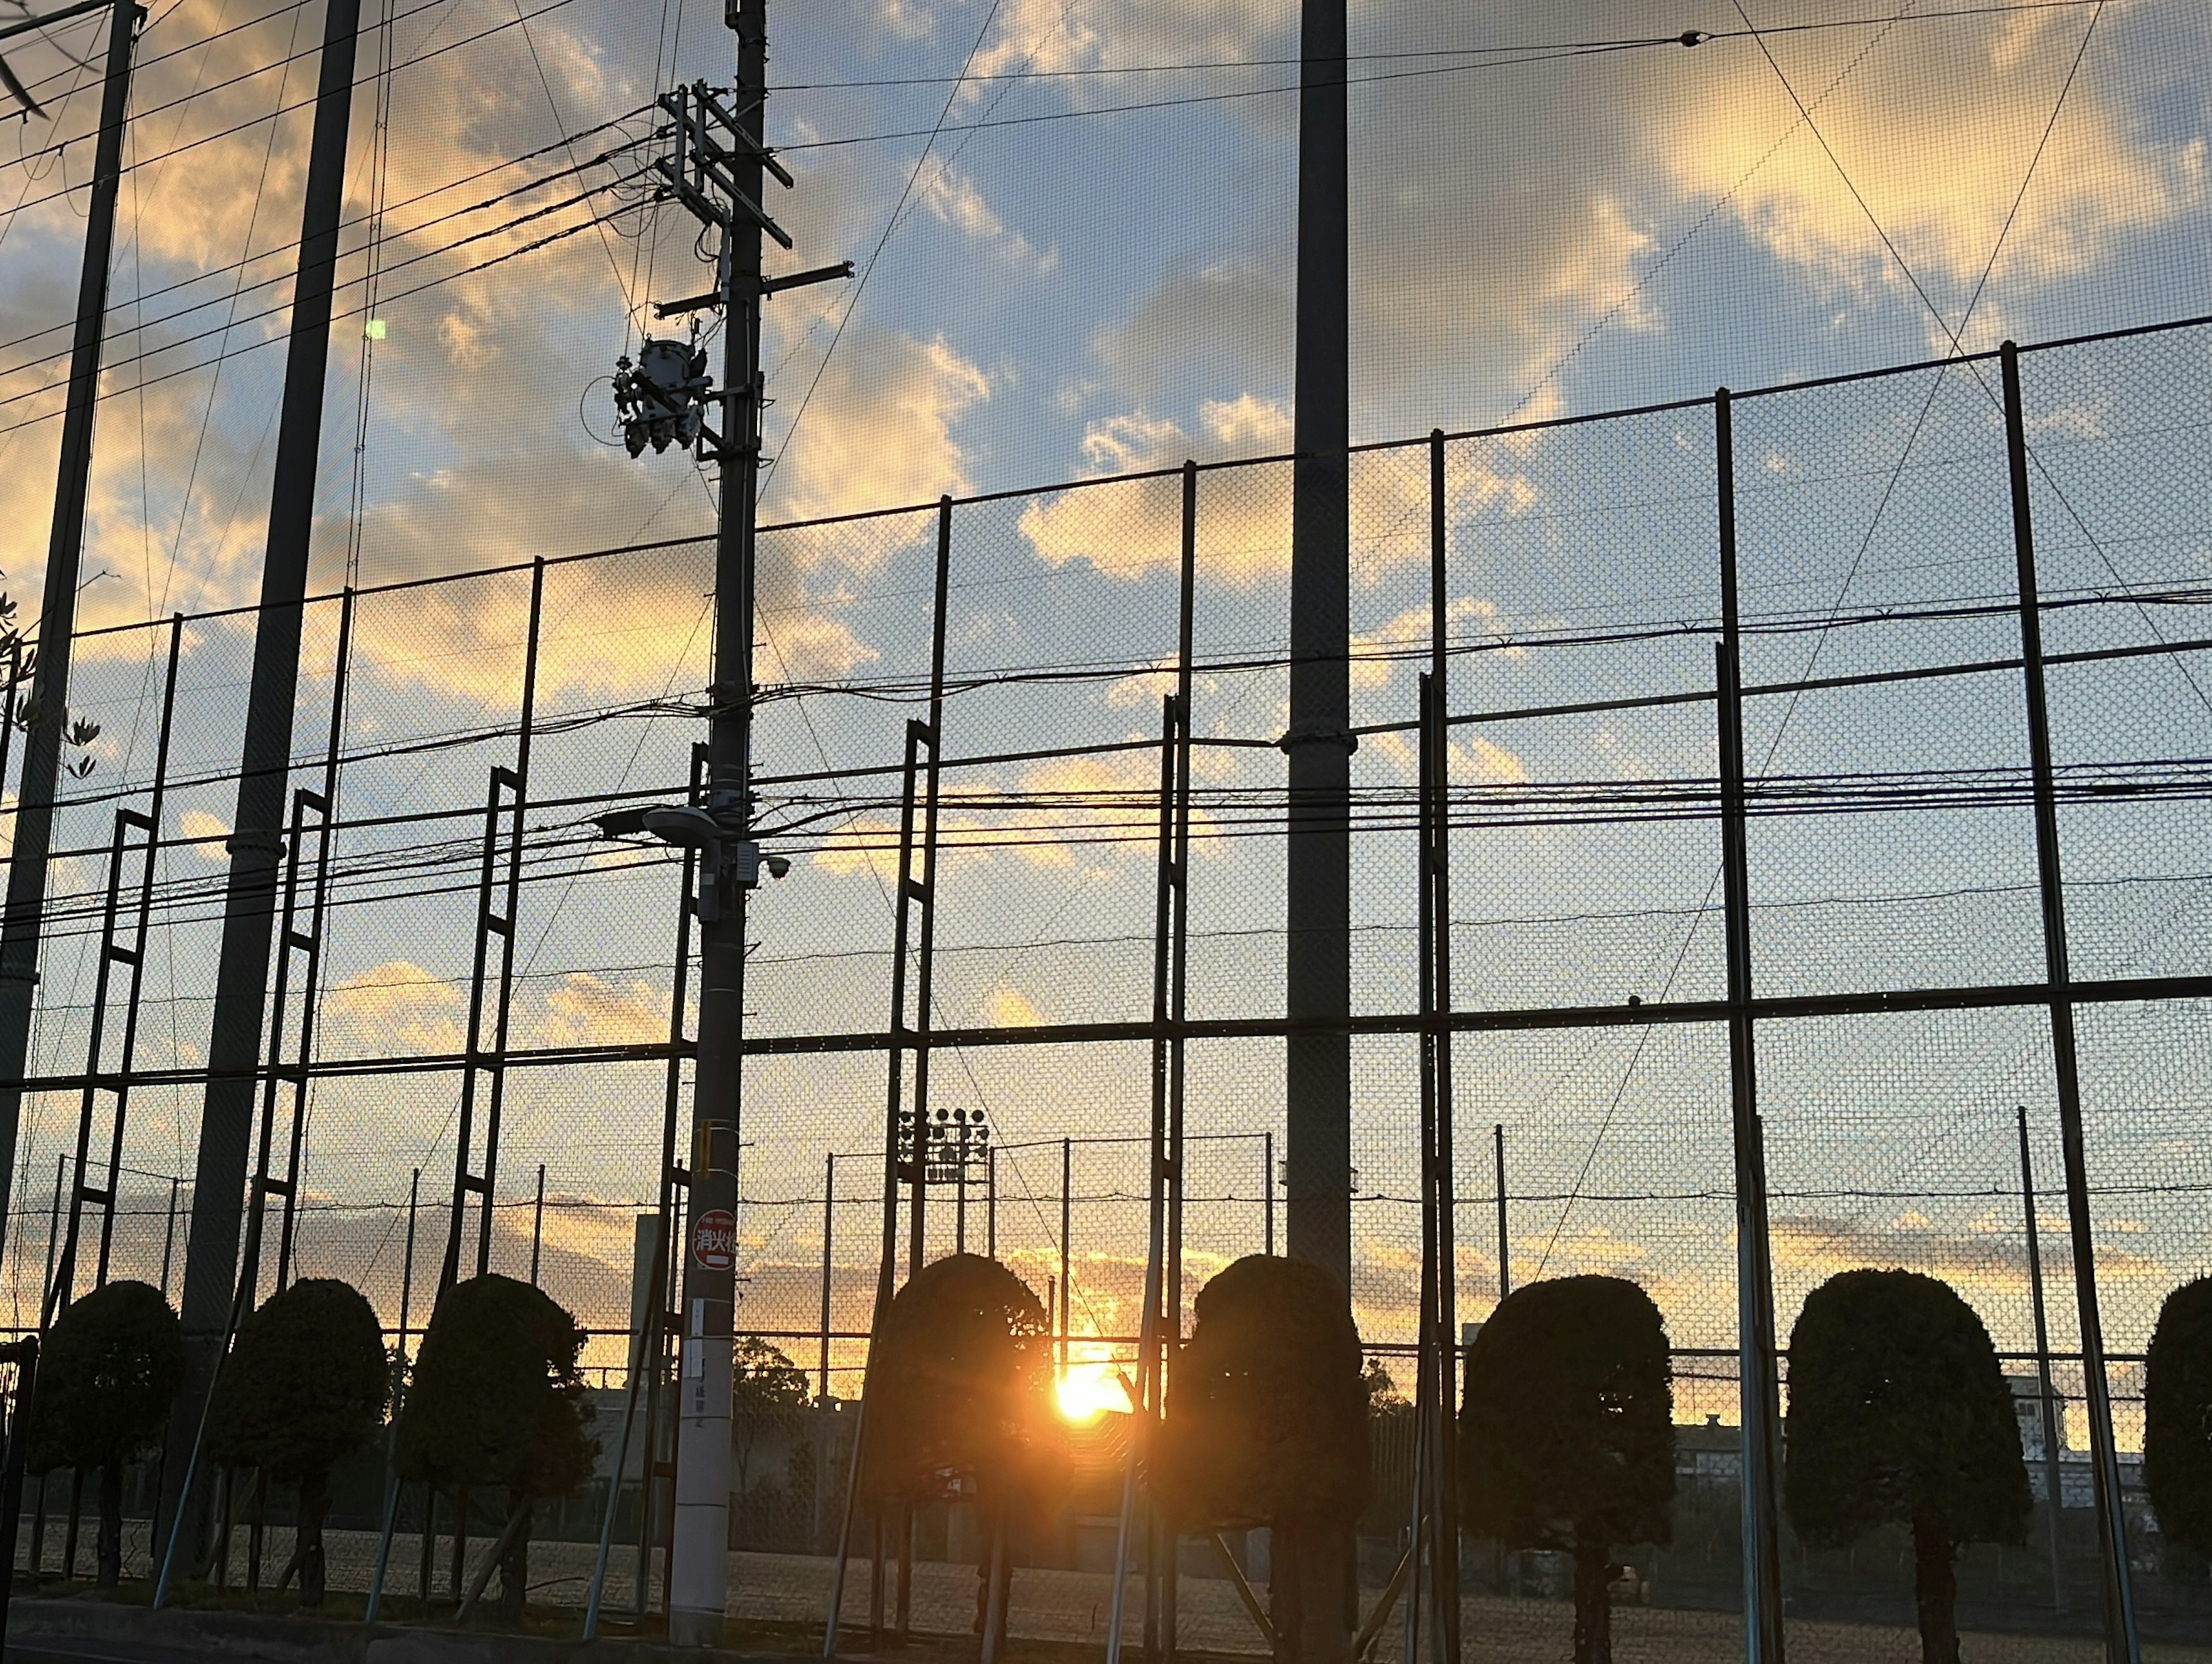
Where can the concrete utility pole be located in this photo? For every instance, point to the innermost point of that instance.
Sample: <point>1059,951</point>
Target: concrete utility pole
<point>1319,1083</point>
<point>718,162</point>
<point>212,1291</point>
<point>47,713</point>
<point>699,1553</point>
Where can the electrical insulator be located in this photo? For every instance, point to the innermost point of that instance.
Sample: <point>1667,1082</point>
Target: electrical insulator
<point>661,399</point>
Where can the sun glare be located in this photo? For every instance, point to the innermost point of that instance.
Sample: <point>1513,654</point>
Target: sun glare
<point>1088,1391</point>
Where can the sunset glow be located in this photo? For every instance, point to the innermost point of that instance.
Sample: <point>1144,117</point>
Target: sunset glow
<point>1088,1391</point>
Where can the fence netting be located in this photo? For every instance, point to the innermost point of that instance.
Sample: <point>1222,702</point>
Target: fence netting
<point>1905,1072</point>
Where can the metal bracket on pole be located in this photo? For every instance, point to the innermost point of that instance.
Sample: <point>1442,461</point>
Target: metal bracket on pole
<point>498,902</point>
<point>139,833</point>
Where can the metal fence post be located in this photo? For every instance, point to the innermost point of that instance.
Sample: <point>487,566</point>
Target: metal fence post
<point>829,1229</point>
<point>1066,1239</point>
<point>1756,1349</point>
<point>1505,1238</point>
<point>24,1355</point>
<point>2055,1492</point>
<point>2122,1645</point>
<point>1444,1552</point>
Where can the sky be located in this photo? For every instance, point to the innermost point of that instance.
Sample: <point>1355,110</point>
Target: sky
<point>1075,225</point>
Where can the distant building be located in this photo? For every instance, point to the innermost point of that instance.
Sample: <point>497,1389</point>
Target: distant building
<point>1709,1455</point>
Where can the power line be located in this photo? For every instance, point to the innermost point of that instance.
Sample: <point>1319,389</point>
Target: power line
<point>282,110</point>
<point>1552,46</point>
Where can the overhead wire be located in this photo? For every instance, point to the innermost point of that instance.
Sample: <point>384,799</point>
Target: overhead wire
<point>543,241</point>
<point>536,181</point>
<point>423,57</point>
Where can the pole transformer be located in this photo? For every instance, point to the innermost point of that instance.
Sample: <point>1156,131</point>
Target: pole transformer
<point>47,713</point>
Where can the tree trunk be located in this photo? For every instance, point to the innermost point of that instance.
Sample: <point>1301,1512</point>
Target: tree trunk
<point>514,1562</point>
<point>256,1537</point>
<point>1593,1604</point>
<point>1935,1592</point>
<point>1310,1590</point>
<point>429,1541</point>
<point>460,1538</point>
<point>903,1617</point>
<point>998,1570</point>
<point>308,1545</point>
<point>76,1515</point>
<point>110,1561</point>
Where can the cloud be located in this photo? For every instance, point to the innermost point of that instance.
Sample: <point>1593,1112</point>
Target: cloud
<point>880,431</point>
<point>394,1007</point>
<point>1126,527</point>
<point>1978,97</point>
<point>207,832</point>
<point>1010,1008</point>
<point>1056,813</point>
<point>585,1010</point>
<point>1984,1255</point>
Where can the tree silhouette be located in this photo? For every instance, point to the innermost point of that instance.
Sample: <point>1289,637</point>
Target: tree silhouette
<point>304,1384</point>
<point>2177,1415</point>
<point>1899,1414</point>
<point>960,1390</point>
<point>768,1399</point>
<point>111,1365</point>
<point>496,1399</point>
<point>1266,1424</point>
<point>1567,1436</point>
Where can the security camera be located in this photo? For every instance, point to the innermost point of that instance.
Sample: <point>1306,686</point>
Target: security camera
<point>778,866</point>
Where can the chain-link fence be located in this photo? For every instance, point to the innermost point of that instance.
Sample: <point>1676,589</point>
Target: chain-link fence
<point>1854,544</point>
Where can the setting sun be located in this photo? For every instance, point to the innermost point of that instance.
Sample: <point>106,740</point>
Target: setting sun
<point>1088,1391</point>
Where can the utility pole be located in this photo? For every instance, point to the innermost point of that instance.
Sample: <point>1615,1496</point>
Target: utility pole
<point>720,159</point>
<point>47,713</point>
<point>216,1292</point>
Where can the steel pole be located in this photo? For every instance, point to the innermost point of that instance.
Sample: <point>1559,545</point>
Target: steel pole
<point>2122,1644</point>
<point>48,711</point>
<point>1757,1392</point>
<point>1319,743</point>
<point>256,844</point>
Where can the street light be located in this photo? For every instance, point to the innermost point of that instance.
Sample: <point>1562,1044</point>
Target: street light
<point>739,861</point>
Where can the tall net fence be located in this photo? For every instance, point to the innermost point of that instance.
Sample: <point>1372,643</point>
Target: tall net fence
<point>1901,984</point>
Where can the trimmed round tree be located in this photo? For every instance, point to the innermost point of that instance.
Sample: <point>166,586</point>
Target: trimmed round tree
<point>1899,1414</point>
<point>496,1399</point>
<point>960,1388</point>
<point>108,1373</point>
<point>2177,1415</point>
<point>1267,1425</point>
<point>304,1384</point>
<point>1567,1435</point>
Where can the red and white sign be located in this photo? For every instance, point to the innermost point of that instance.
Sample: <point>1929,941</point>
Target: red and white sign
<point>714,1239</point>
